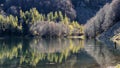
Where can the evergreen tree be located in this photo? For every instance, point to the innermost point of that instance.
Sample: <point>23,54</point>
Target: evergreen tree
<point>61,17</point>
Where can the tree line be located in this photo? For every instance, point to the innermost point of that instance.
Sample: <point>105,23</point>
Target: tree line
<point>33,23</point>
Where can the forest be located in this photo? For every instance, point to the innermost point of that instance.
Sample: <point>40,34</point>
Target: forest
<point>28,20</point>
<point>38,18</point>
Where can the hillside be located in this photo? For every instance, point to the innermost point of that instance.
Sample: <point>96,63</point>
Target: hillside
<point>105,23</point>
<point>24,17</point>
<point>109,34</point>
<point>85,9</point>
<point>80,10</point>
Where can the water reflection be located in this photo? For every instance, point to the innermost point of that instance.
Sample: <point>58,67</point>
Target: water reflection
<point>105,55</point>
<point>54,51</point>
<point>57,53</point>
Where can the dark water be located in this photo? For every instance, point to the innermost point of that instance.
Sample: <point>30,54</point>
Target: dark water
<point>57,53</point>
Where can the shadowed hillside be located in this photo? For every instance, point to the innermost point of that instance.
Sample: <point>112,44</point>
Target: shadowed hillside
<point>43,6</point>
<point>80,10</point>
<point>107,17</point>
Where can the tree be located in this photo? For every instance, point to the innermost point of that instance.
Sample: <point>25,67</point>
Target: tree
<point>60,16</point>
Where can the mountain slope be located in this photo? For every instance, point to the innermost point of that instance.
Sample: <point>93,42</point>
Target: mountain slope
<point>106,18</point>
<point>80,10</point>
<point>107,35</point>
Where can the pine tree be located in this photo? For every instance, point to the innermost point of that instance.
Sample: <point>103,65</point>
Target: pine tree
<point>61,16</point>
<point>66,20</point>
<point>55,16</point>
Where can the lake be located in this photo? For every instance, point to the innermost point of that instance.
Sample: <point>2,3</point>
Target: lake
<point>57,53</point>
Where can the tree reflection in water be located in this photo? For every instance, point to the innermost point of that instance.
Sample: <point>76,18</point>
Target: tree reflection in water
<point>40,50</point>
<point>60,53</point>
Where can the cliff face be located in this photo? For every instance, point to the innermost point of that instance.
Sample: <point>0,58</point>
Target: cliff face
<point>80,10</point>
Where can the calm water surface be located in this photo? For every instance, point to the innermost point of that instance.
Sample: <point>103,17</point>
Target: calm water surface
<point>57,53</point>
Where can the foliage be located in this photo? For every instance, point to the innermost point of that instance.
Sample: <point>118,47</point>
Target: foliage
<point>52,24</point>
<point>29,17</point>
<point>117,66</point>
<point>9,24</point>
<point>43,6</point>
<point>104,19</point>
<point>34,23</point>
